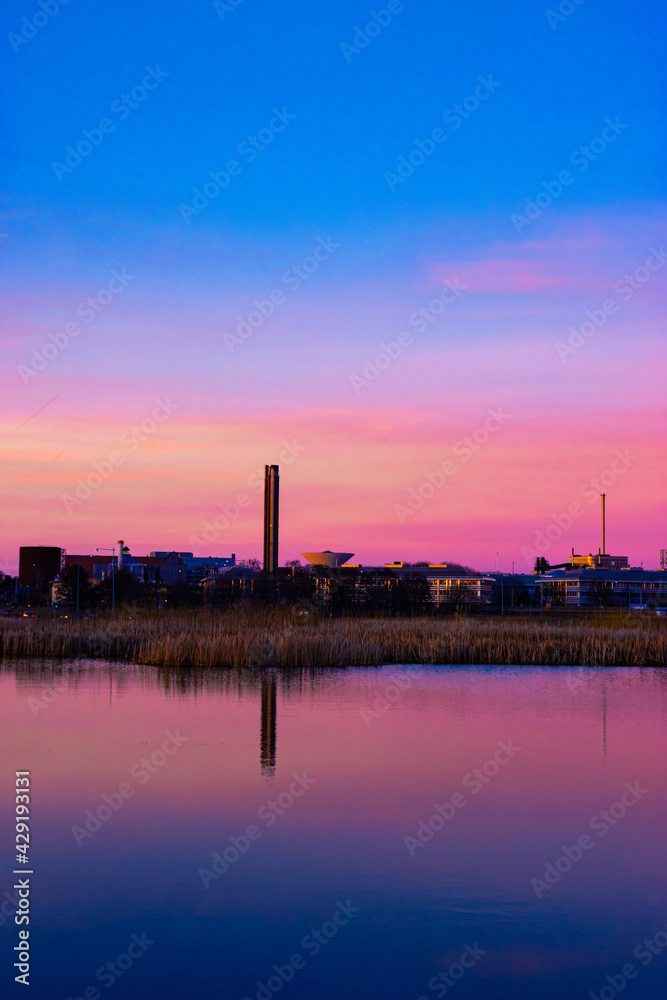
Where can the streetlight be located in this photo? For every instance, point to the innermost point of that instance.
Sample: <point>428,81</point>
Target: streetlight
<point>113,590</point>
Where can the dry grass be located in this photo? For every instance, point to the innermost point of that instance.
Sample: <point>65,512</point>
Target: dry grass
<point>277,638</point>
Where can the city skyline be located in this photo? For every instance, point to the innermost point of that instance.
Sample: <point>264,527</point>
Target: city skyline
<point>551,541</point>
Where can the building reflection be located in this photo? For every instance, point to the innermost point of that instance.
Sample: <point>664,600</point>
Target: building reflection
<point>267,743</point>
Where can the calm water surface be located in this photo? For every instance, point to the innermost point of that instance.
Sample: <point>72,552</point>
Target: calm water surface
<point>289,820</point>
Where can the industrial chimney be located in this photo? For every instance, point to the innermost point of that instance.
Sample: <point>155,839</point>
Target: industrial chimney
<point>121,543</point>
<point>602,498</point>
<point>271,486</point>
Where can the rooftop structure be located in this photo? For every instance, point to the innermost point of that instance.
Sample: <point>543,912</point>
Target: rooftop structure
<point>598,561</point>
<point>327,558</point>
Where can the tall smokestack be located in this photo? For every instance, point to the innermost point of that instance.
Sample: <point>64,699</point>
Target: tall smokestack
<point>271,487</point>
<point>602,498</point>
<point>120,553</point>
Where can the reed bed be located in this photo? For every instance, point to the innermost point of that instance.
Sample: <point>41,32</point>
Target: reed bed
<point>276,638</point>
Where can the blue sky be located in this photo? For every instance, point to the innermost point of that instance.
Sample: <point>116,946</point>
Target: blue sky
<point>353,118</point>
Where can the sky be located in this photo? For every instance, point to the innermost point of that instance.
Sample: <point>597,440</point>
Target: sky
<point>414,254</point>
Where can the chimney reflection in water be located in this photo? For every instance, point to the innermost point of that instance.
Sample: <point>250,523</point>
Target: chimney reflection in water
<point>268,731</point>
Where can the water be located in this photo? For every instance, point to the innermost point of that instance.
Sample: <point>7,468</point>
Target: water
<point>331,857</point>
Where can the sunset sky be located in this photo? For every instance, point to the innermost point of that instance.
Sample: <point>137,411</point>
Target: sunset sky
<point>536,206</point>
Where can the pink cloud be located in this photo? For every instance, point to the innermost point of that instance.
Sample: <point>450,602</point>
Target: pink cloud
<point>506,276</point>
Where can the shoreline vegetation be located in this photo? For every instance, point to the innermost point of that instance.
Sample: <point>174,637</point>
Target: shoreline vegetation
<point>258,638</point>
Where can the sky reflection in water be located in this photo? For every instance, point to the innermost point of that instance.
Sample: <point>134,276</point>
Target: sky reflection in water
<point>331,781</point>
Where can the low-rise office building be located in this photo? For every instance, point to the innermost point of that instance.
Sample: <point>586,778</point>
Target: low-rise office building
<point>605,587</point>
<point>447,587</point>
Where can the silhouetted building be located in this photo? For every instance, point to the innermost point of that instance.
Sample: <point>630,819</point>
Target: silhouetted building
<point>271,514</point>
<point>200,567</point>
<point>39,565</point>
<point>98,567</point>
<point>167,569</point>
